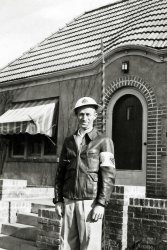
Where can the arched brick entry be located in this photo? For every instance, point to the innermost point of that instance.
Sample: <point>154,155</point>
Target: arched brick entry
<point>153,169</point>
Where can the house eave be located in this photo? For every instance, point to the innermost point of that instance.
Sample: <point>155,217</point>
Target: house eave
<point>158,55</point>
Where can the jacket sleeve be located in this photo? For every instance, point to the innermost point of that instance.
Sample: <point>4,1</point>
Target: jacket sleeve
<point>60,174</point>
<point>107,172</point>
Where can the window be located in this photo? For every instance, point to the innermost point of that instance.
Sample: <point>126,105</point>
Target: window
<point>31,128</point>
<point>32,146</point>
<point>18,145</point>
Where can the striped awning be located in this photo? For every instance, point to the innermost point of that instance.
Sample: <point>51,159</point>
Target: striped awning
<point>29,117</point>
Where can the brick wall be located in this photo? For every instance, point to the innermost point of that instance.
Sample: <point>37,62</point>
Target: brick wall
<point>113,221</point>
<point>49,227</point>
<point>130,223</point>
<point>114,227</point>
<point>147,224</point>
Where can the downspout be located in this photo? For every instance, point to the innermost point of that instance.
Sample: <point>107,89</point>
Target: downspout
<point>103,122</point>
<point>156,152</point>
<point>103,85</point>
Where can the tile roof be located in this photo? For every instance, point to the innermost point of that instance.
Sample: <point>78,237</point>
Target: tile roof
<point>127,22</point>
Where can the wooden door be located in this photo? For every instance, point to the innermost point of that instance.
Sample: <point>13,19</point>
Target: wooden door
<point>127,137</point>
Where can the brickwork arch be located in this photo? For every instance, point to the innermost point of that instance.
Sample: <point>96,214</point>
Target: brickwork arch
<point>154,126</point>
<point>132,81</point>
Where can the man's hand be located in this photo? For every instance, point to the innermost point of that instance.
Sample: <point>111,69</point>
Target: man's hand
<point>59,208</point>
<point>97,213</point>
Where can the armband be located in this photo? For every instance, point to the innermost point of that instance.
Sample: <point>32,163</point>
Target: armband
<point>107,159</point>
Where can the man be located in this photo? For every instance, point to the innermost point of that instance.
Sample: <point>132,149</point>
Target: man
<point>84,180</point>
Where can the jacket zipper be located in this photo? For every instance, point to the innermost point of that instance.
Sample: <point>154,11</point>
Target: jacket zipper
<point>76,180</point>
<point>77,170</point>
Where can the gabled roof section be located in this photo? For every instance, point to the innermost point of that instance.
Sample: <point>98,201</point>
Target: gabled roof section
<point>127,22</point>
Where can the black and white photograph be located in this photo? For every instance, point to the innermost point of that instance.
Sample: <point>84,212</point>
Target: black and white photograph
<point>83,125</point>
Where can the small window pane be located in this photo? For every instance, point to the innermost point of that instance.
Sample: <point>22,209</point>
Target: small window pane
<point>49,146</point>
<point>18,145</point>
<point>34,145</point>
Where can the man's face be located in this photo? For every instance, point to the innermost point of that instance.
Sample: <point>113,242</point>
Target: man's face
<point>86,117</point>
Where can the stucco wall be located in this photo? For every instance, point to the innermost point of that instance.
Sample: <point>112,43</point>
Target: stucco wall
<point>150,71</point>
<point>68,92</point>
<point>43,173</point>
<point>36,173</point>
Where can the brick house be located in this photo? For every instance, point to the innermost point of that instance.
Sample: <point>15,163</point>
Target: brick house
<point>128,75</point>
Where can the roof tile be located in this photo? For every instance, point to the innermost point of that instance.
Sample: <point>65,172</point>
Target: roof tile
<point>130,22</point>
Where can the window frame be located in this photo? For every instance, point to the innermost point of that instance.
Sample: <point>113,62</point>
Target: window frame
<point>26,154</point>
<point>12,149</point>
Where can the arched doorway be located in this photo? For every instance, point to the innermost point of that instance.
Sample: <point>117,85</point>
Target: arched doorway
<point>127,126</point>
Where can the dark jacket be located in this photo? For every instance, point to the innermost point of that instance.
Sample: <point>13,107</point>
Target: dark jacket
<point>79,174</point>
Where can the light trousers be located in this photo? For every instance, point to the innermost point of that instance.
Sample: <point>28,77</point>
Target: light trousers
<point>79,232</point>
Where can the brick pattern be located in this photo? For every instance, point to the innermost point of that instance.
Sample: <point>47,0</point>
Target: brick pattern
<point>49,227</point>
<point>163,134</point>
<point>155,113</point>
<point>113,221</point>
<point>147,224</point>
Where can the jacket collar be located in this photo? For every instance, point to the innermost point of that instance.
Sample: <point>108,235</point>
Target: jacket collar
<point>92,134</point>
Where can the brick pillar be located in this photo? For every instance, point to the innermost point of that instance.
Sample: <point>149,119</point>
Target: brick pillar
<point>49,228</point>
<point>113,221</point>
<point>116,217</point>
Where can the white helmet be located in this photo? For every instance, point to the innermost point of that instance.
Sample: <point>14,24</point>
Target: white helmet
<point>86,101</point>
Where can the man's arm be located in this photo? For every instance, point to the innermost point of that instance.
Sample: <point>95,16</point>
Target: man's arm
<point>59,208</point>
<point>107,172</point>
<point>106,178</point>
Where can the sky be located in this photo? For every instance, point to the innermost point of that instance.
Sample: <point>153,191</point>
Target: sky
<point>25,23</point>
